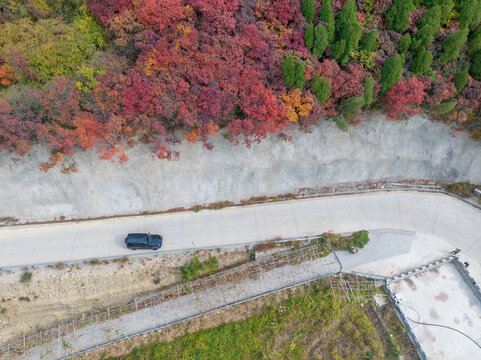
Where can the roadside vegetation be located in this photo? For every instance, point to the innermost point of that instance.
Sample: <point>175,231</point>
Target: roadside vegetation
<point>196,269</point>
<point>106,74</point>
<point>310,325</point>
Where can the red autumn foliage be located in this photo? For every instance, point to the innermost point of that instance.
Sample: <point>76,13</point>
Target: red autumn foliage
<point>404,98</point>
<point>157,15</point>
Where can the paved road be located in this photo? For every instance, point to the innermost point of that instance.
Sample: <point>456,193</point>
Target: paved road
<point>435,214</point>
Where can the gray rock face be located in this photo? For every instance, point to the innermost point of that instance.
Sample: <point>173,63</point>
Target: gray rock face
<point>377,149</point>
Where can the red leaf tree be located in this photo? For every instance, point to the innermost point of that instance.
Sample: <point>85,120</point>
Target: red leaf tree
<point>404,98</point>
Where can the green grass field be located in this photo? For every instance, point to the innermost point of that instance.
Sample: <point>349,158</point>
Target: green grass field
<point>313,325</point>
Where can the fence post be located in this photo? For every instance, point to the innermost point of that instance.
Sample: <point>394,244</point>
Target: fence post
<point>108,312</point>
<point>24,350</point>
<point>135,302</point>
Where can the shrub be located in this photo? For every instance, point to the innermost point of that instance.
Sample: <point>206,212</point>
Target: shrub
<point>299,79</point>
<point>351,106</point>
<point>369,41</point>
<point>195,269</point>
<point>446,107</point>
<point>51,47</point>
<point>26,277</point>
<point>451,46</point>
<point>360,239</point>
<point>461,79</point>
<point>309,36</point>
<point>308,10</point>
<point>289,71</point>
<point>404,98</point>
<point>404,44</point>
<point>422,61</point>
<point>326,15</point>
<point>398,15</point>
<point>321,87</point>
<point>475,67</point>
<point>320,41</point>
<point>341,123</point>
<point>3,311</point>
<point>368,90</point>
<point>391,72</point>
<point>474,41</point>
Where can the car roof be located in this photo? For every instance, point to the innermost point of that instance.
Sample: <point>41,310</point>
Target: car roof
<point>137,235</point>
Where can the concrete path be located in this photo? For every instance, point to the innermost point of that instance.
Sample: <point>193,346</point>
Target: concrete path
<point>438,215</point>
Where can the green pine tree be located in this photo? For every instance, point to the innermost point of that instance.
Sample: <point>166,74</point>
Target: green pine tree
<point>369,41</point>
<point>308,10</point>
<point>391,72</point>
<point>337,50</point>
<point>474,41</point>
<point>422,61</point>
<point>404,43</point>
<point>451,46</point>
<point>368,90</point>
<point>288,71</point>
<point>398,15</point>
<point>432,17</point>
<point>475,67</point>
<point>327,16</point>
<point>320,41</point>
<point>309,36</point>
<point>321,87</point>
<point>461,79</point>
<point>351,106</point>
<point>299,79</point>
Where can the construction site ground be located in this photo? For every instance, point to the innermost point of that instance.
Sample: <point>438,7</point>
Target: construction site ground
<point>441,296</point>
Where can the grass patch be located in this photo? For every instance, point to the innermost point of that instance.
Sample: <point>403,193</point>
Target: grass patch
<point>26,277</point>
<point>312,325</point>
<point>196,269</point>
<point>358,239</point>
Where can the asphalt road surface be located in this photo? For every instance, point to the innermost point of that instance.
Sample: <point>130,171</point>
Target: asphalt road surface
<point>427,213</point>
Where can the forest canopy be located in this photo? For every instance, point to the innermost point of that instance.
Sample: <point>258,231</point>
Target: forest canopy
<point>105,74</point>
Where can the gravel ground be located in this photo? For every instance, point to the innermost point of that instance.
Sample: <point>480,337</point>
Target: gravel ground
<point>183,307</point>
<point>376,149</point>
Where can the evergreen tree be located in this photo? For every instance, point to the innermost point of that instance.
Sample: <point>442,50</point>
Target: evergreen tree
<point>299,79</point>
<point>461,79</point>
<point>424,37</point>
<point>327,16</point>
<point>351,106</point>
<point>398,15</point>
<point>445,5</point>
<point>446,107</point>
<point>431,17</point>
<point>321,87</point>
<point>288,71</point>
<point>475,67</point>
<point>451,46</point>
<point>422,61</point>
<point>474,41</point>
<point>391,72</point>
<point>470,14</point>
<point>309,37</point>
<point>347,29</point>
<point>320,41</point>
<point>369,41</point>
<point>368,90</point>
<point>308,10</point>
<point>404,44</point>
<point>337,50</point>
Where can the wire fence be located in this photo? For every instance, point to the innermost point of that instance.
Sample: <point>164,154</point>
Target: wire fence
<point>182,301</point>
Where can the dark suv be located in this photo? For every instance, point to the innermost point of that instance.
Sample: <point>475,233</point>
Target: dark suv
<point>143,241</point>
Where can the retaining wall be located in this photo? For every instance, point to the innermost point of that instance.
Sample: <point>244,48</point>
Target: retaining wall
<point>375,150</point>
